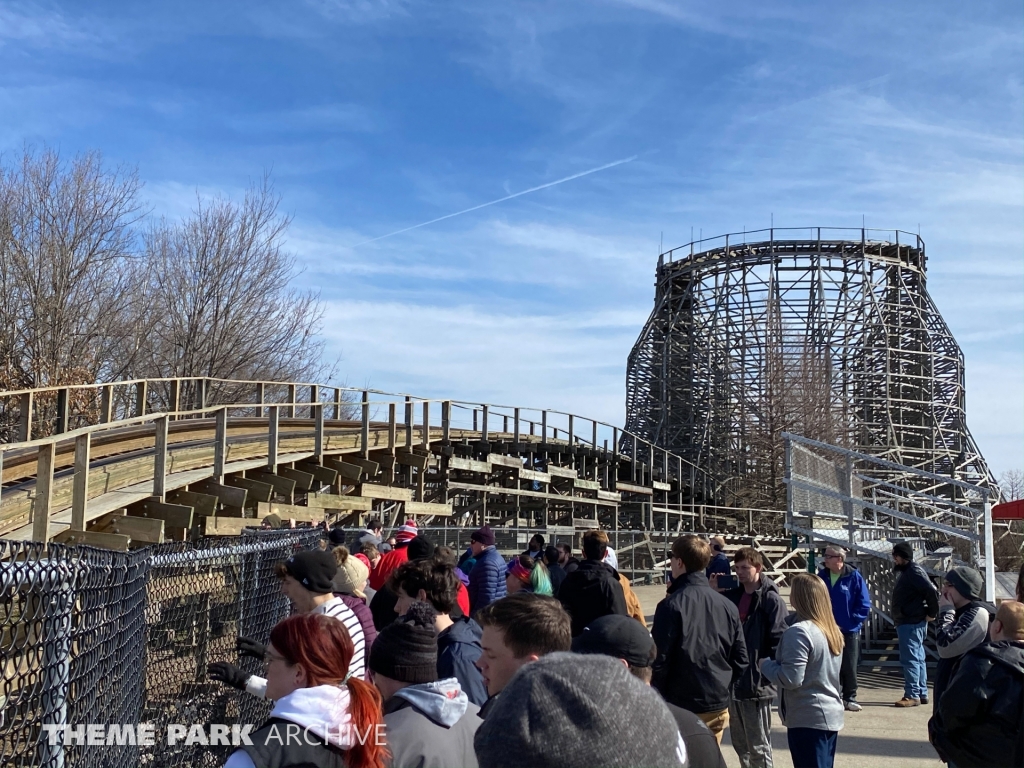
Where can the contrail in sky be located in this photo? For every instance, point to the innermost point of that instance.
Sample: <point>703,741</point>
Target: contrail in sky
<point>501,199</point>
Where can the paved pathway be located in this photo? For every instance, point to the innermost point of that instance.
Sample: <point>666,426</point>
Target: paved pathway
<point>880,735</point>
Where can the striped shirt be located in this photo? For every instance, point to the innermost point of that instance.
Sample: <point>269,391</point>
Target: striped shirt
<point>335,608</point>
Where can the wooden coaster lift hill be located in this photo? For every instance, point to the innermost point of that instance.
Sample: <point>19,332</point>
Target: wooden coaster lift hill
<point>138,468</point>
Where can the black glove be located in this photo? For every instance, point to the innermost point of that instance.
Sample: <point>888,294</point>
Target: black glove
<point>246,646</point>
<point>228,674</point>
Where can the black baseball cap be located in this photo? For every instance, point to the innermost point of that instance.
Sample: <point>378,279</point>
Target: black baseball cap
<point>314,569</point>
<point>620,636</point>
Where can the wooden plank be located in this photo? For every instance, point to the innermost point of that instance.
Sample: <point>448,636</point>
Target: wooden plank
<point>303,480</point>
<point>580,522</point>
<point>529,474</point>
<point>334,501</point>
<point>428,508</point>
<point>537,477</point>
<point>230,492</point>
<point>495,490</point>
<point>370,467</point>
<point>226,526</point>
<point>286,511</point>
<point>172,587</point>
<point>512,462</point>
<point>660,486</point>
<point>283,485</point>
<point>140,529</point>
<point>344,469</point>
<point>174,515</point>
<point>562,472</point>
<point>469,465</point>
<point>609,495</point>
<point>372,491</point>
<point>630,488</point>
<point>588,485</point>
<point>256,491</point>
<point>227,510</point>
<point>410,459</point>
<point>560,530</point>
<point>113,541</point>
<point>201,503</point>
<point>323,475</point>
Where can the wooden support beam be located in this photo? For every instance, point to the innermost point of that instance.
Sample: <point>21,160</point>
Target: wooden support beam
<point>72,537</point>
<point>364,432</point>
<point>370,467</point>
<point>428,508</point>
<point>631,488</point>
<point>160,458</point>
<point>141,530</point>
<point>280,483</point>
<point>25,409</point>
<point>469,465</point>
<point>226,526</point>
<point>44,492</point>
<point>334,501</point>
<point>232,492</point>
<point>291,511</point>
<point>61,425</point>
<point>345,470</point>
<point>173,515</point>
<point>106,403</point>
<point>274,421</point>
<point>80,489</point>
<point>410,459</point>
<point>372,491</point>
<point>201,503</point>
<point>174,398</point>
<point>323,475</point>
<point>220,448</point>
<point>303,480</point>
<point>141,397</point>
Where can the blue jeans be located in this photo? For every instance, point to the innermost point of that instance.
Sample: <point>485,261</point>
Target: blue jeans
<point>812,748</point>
<point>915,674</point>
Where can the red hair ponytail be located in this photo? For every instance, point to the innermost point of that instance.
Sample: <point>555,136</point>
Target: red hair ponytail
<point>324,649</point>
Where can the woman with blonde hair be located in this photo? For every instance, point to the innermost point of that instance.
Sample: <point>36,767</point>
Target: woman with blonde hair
<point>806,670</point>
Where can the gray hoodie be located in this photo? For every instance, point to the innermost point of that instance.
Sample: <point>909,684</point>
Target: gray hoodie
<point>431,725</point>
<point>807,675</point>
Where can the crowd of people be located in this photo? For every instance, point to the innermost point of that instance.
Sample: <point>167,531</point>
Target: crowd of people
<point>412,656</point>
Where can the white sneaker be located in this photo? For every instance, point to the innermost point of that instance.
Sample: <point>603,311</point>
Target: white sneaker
<point>852,706</point>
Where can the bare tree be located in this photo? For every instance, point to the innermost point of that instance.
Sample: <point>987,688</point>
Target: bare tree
<point>70,304</point>
<point>221,302</point>
<point>1011,483</point>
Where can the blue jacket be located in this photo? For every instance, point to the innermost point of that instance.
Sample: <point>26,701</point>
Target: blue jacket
<point>718,564</point>
<point>458,647</point>
<point>486,580</point>
<point>851,603</point>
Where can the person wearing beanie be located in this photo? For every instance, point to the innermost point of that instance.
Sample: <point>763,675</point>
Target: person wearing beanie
<point>487,579</point>
<point>400,554</point>
<point>962,624</point>
<point>271,522</point>
<point>383,604</point>
<point>348,584</point>
<point>914,603</point>
<point>430,721</point>
<point>570,711</point>
<point>307,580</point>
<point>627,640</point>
<point>336,537</point>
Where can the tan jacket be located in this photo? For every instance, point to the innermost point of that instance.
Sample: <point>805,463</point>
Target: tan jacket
<point>632,601</point>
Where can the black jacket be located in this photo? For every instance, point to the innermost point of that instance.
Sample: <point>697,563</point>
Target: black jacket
<point>557,574</point>
<point>765,623</point>
<point>701,650</point>
<point>702,750</point>
<point>978,720</point>
<point>590,592</point>
<point>458,647</point>
<point>914,598</point>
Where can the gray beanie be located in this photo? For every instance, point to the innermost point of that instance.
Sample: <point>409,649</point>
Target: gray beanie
<point>967,581</point>
<point>567,710</point>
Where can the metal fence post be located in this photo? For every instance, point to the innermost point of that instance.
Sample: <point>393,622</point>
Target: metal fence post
<point>990,560</point>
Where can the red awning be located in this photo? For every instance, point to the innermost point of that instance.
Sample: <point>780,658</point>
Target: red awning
<point>1011,510</point>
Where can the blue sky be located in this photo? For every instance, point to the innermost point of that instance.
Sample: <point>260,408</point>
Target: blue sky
<point>374,116</point>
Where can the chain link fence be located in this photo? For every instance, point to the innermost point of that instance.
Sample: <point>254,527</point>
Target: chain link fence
<point>89,636</point>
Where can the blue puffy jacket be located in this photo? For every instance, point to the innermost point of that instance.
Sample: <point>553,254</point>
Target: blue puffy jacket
<point>486,580</point>
<point>851,603</point>
<point>458,647</point>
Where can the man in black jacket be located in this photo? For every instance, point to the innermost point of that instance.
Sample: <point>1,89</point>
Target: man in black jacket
<point>763,614</point>
<point>978,719</point>
<point>555,571</point>
<point>701,650</point>
<point>915,602</point>
<point>593,589</point>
